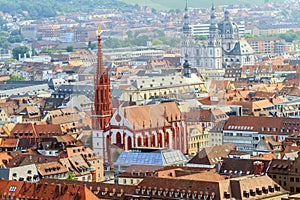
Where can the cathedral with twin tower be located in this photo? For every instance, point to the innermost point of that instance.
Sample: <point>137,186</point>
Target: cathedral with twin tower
<point>224,47</point>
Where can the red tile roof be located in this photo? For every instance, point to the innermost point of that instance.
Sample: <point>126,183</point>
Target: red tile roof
<point>20,189</point>
<point>263,125</point>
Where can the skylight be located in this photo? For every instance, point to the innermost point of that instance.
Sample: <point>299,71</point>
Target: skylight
<point>12,188</point>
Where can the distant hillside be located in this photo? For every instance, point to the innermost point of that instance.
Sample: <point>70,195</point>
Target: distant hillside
<point>179,4</point>
<point>33,9</point>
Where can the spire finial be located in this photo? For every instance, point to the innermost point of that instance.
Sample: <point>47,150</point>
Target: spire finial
<point>99,30</point>
<point>186,5</point>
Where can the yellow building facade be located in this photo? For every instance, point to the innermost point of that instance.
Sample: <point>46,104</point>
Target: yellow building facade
<point>145,88</point>
<point>198,138</point>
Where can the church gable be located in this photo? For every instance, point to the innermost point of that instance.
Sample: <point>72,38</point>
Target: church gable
<point>119,119</point>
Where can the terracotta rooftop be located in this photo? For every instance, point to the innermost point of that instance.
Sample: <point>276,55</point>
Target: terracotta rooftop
<point>212,155</point>
<point>152,115</point>
<point>265,125</point>
<point>9,142</point>
<point>20,189</point>
<point>51,168</point>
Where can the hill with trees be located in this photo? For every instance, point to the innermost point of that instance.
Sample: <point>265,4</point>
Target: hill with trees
<point>179,4</point>
<point>32,9</point>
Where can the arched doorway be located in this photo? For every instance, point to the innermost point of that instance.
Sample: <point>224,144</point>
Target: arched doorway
<point>152,141</point>
<point>159,140</point>
<point>166,139</point>
<point>145,141</point>
<point>139,141</point>
<point>118,138</point>
<point>129,143</point>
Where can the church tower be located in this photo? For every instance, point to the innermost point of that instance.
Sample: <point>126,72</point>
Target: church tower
<point>188,42</point>
<point>214,46</point>
<point>102,112</point>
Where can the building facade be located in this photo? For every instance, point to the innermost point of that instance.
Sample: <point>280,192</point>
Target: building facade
<point>223,48</point>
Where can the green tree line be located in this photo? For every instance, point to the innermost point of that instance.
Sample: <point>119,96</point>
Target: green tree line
<point>33,9</point>
<point>140,38</point>
<point>289,36</point>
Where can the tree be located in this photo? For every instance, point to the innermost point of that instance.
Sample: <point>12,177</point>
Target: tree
<point>289,36</point>
<point>33,52</point>
<point>91,45</point>
<point>21,50</point>
<point>129,34</point>
<point>46,50</point>
<point>16,78</point>
<point>70,176</point>
<point>112,43</point>
<point>10,60</point>
<point>156,41</point>
<point>160,33</point>
<point>15,32</point>
<point>200,37</point>
<point>249,36</point>
<point>70,49</point>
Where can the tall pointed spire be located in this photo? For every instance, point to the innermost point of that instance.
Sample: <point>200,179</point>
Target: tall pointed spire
<point>102,97</point>
<point>100,64</point>
<point>186,22</point>
<point>213,13</point>
<point>186,6</point>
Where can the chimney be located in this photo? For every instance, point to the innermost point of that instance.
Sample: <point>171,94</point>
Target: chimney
<point>258,167</point>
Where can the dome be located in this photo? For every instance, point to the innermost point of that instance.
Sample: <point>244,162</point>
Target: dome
<point>186,16</point>
<point>227,26</point>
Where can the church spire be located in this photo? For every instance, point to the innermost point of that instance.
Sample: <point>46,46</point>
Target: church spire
<point>102,97</point>
<point>100,64</point>
<point>186,6</point>
<point>186,23</point>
